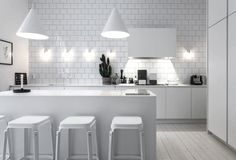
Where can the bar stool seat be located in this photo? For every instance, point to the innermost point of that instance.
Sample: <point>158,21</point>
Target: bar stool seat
<point>29,123</point>
<point>33,122</point>
<point>86,123</point>
<point>125,122</point>
<point>77,122</point>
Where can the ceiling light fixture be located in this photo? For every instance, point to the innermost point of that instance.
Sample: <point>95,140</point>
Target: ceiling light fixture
<point>115,28</point>
<point>31,28</point>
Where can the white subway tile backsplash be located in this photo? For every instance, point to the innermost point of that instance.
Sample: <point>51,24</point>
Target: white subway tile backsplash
<point>76,25</point>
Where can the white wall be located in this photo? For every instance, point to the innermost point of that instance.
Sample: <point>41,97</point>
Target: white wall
<point>77,24</point>
<point>12,13</point>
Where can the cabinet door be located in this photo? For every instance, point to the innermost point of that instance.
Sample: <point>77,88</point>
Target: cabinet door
<point>232,6</point>
<point>217,54</point>
<point>143,42</point>
<point>231,81</point>
<point>160,102</point>
<point>217,10</point>
<point>178,103</point>
<point>199,103</point>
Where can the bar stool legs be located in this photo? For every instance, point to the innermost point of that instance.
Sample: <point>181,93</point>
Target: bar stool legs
<point>89,145</point>
<point>142,153</point>
<point>86,123</point>
<point>111,141</point>
<point>58,144</point>
<point>124,123</point>
<point>26,142</point>
<point>36,145</point>
<point>7,138</point>
<point>53,140</point>
<point>95,139</point>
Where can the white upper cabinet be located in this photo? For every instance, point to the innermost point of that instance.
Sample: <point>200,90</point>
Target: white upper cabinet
<point>232,6</point>
<point>231,81</point>
<point>217,100</point>
<point>152,42</point>
<point>217,10</point>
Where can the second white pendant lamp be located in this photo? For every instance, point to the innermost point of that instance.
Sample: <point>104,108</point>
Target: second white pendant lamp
<point>115,28</point>
<point>31,28</point>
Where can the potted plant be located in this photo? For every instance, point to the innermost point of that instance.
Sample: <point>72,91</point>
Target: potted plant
<point>105,70</point>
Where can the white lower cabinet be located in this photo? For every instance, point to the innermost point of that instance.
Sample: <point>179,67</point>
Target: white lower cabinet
<point>199,99</point>
<point>160,101</point>
<point>178,103</point>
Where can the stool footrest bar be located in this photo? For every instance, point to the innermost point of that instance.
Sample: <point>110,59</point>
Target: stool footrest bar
<point>44,156</point>
<point>127,157</point>
<point>81,156</point>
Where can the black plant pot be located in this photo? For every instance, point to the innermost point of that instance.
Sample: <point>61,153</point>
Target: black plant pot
<point>106,80</point>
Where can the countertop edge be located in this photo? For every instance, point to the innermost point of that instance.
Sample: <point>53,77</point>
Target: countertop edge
<point>116,86</point>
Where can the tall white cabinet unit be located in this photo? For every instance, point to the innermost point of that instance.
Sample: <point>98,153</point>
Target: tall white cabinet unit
<point>217,10</point>
<point>217,48</point>
<point>232,6</point>
<point>221,70</point>
<point>232,80</point>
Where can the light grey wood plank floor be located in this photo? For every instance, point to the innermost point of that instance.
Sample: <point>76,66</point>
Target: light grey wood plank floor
<point>189,142</point>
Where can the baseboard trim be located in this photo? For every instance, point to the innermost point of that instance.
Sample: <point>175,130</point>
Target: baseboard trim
<point>176,121</point>
<point>222,141</point>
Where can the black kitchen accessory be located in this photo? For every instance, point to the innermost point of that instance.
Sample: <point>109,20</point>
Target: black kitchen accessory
<point>196,80</point>
<point>18,80</point>
<point>153,82</point>
<point>20,77</point>
<point>131,80</point>
<point>142,77</point>
<point>22,90</point>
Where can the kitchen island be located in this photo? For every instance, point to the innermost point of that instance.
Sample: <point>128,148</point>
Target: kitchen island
<point>102,104</point>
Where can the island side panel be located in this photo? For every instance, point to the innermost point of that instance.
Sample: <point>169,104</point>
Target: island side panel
<point>104,108</point>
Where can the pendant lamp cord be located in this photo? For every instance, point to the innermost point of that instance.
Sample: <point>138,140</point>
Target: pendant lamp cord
<point>113,3</point>
<point>32,4</point>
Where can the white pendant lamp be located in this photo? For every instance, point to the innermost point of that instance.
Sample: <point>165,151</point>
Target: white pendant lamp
<point>31,27</point>
<point>115,27</point>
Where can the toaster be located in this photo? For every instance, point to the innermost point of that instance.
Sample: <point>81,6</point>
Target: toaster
<point>196,80</point>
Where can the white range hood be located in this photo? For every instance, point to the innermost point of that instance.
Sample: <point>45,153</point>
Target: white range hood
<point>152,43</point>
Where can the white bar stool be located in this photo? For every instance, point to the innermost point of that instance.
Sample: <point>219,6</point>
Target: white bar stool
<point>29,123</point>
<point>3,122</point>
<point>87,123</point>
<point>126,122</point>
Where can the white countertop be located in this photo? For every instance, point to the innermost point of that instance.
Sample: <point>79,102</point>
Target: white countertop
<point>119,85</point>
<point>119,93</point>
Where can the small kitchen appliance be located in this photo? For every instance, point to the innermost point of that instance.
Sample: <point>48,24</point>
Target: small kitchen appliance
<point>142,77</point>
<point>152,78</point>
<point>196,80</point>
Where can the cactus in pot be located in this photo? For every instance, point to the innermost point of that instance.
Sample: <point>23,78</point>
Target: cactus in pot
<point>105,70</point>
